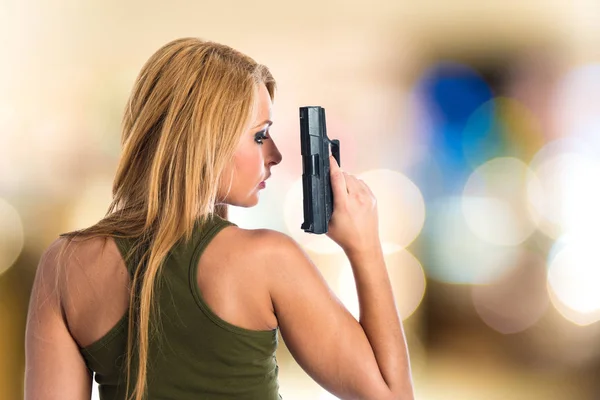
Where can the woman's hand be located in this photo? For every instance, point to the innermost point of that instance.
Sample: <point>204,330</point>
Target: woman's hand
<point>354,223</point>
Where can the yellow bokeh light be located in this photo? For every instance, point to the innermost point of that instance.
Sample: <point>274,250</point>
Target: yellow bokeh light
<point>12,165</point>
<point>12,236</point>
<point>92,203</point>
<point>517,127</point>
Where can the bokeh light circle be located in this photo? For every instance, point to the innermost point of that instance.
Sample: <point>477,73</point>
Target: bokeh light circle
<point>501,127</point>
<point>517,300</point>
<point>451,92</point>
<point>12,236</point>
<point>569,197</point>
<point>495,201</point>
<point>400,203</point>
<point>325,395</point>
<point>457,255</point>
<point>267,213</point>
<point>573,276</point>
<point>401,211</point>
<point>406,276</point>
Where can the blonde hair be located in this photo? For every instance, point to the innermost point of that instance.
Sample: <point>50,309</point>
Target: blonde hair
<point>189,106</point>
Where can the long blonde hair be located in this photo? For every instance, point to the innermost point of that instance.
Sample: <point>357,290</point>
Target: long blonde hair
<point>189,106</point>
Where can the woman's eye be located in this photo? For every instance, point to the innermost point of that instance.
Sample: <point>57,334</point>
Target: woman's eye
<point>260,136</point>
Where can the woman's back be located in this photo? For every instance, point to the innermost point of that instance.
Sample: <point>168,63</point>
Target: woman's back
<point>196,138</point>
<point>217,334</point>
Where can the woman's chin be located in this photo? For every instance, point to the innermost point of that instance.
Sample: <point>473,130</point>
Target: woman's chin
<point>250,201</point>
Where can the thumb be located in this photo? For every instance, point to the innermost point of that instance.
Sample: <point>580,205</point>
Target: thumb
<point>338,181</point>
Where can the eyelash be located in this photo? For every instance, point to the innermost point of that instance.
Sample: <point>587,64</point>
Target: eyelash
<point>260,136</point>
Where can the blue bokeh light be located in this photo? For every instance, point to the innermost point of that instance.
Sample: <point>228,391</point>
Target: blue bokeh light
<point>449,93</point>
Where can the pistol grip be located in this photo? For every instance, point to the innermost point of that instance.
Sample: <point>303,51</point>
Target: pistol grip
<point>335,150</point>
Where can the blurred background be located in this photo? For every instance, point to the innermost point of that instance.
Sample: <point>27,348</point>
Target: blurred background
<point>476,124</point>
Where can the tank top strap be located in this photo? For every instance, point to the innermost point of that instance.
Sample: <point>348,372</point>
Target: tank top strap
<point>205,228</point>
<point>126,247</point>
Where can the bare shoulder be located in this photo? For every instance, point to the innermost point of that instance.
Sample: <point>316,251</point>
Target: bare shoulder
<point>45,286</point>
<point>236,273</point>
<point>255,243</point>
<point>50,257</point>
<point>281,252</point>
<point>54,366</point>
<point>80,247</point>
<point>320,333</point>
<point>82,263</point>
<point>87,280</point>
<point>266,248</point>
<point>70,258</point>
<point>57,254</point>
<point>274,258</point>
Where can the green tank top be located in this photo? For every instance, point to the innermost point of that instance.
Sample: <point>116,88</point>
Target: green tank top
<point>196,354</point>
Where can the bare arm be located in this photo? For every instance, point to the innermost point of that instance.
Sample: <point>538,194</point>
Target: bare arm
<point>380,321</point>
<point>54,368</point>
<point>353,360</point>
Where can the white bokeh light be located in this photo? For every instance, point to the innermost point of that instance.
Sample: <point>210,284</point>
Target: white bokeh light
<point>406,276</point>
<point>325,395</point>
<point>11,235</point>
<point>495,201</point>
<point>400,205</point>
<point>401,211</point>
<point>581,194</point>
<point>573,276</point>
<point>267,213</point>
<point>456,254</point>
<point>569,198</point>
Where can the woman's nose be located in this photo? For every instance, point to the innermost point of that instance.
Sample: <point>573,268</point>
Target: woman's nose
<point>274,156</point>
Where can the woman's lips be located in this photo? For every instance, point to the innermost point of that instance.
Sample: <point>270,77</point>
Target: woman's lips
<point>262,185</point>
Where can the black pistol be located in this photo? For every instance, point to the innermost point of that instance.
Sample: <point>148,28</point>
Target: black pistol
<point>316,185</point>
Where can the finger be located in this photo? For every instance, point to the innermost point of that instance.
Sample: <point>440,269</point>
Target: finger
<point>368,189</point>
<point>352,183</point>
<point>333,165</point>
<point>364,186</point>
<point>338,181</point>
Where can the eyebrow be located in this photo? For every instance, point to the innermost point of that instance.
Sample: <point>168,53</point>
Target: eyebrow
<point>268,122</point>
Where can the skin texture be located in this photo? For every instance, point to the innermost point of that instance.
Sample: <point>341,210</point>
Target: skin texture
<point>252,161</point>
<point>256,279</point>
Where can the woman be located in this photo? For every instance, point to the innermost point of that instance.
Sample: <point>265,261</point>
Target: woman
<point>166,299</point>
